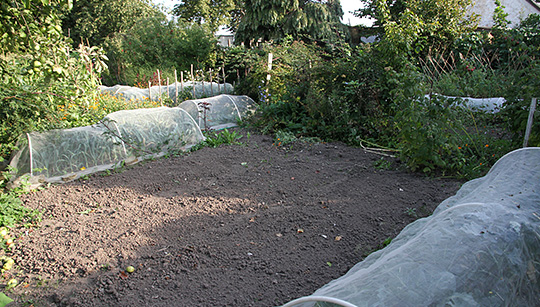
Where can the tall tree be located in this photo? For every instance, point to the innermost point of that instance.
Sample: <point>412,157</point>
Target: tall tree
<point>95,20</point>
<point>276,19</point>
<point>213,13</point>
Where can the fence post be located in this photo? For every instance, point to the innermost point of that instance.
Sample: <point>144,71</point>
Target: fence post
<point>182,80</point>
<point>176,87</point>
<point>193,82</point>
<point>529,122</point>
<point>159,87</point>
<point>270,56</point>
<point>224,80</point>
<point>168,93</point>
<point>211,87</point>
<point>150,90</point>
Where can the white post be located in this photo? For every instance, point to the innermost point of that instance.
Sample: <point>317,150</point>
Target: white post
<point>211,88</point>
<point>193,82</point>
<point>270,56</point>
<point>176,87</point>
<point>529,122</point>
<point>168,94</point>
<point>150,90</point>
<point>224,81</point>
<point>159,87</point>
<point>182,81</point>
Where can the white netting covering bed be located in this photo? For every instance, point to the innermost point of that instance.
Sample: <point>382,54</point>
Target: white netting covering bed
<point>197,89</point>
<point>124,137</point>
<point>480,247</point>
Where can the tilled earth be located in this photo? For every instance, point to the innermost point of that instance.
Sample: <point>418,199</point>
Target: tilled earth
<point>249,225</point>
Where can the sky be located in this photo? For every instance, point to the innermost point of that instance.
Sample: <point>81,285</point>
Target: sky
<point>347,5</point>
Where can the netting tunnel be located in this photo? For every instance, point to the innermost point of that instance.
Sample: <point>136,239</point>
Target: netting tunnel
<point>480,247</point>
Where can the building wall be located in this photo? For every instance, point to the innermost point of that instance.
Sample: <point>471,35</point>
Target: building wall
<point>517,10</point>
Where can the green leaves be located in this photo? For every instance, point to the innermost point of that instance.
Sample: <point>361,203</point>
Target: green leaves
<point>211,13</point>
<point>13,211</point>
<point>275,20</point>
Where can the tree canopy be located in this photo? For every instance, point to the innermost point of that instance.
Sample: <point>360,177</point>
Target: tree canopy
<point>94,20</point>
<point>413,25</point>
<point>214,13</point>
<point>276,19</point>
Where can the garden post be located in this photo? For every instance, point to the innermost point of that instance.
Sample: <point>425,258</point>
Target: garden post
<point>176,87</point>
<point>529,122</point>
<point>224,81</point>
<point>211,88</point>
<point>159,87</point>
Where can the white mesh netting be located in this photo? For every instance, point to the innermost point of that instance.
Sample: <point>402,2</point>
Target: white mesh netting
<point>196,89</point>
<point>480,247</point>
<point>124,136</point>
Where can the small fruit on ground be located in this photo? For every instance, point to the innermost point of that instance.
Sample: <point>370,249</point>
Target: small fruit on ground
<point>12,283</point>
<point>130,269</point>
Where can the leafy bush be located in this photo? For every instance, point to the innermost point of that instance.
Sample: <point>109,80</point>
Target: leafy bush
<point>155,43</point>
<point>438,134</point>
<point>13,211</point>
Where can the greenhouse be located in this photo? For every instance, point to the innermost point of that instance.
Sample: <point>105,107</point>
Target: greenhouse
<point>125,136</point>
<point>480,247</point>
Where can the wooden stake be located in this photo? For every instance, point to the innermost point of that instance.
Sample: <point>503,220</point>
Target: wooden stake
<point>270,56</point>
<point>182,81</point>
<point>159,87</point>
<point>224,80</point>
<point>168,95</point>
<point>218,86</point>
<point>211,88</point>
<point>150,90</point>
<point>529,122</point>
<point>193,82</point>
<point>176,87</point>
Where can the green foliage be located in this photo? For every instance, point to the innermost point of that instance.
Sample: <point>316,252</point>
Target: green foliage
<point>37,102</point>
<point>277,19</point>
<point>214,13</point>
<point>30,25</point>
<point>423,25</point>
<point>499,16</point>
<point>13,212</point>
<point>92,21</point>
<point>375,94</point>
<point>155,43</point>
<point>217,138</point>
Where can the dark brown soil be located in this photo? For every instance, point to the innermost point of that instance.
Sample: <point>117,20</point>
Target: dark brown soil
<point>251,225</point>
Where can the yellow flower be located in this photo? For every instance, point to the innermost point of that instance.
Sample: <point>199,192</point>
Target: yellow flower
<point>83,168</point>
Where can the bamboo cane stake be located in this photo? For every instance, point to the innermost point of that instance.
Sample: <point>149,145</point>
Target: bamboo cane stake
<point>159,87</point>
<point>193,81</point>
<point>168,94</point>
<point>529,122</point>
<point>211,88</point>
<point>224,80</point>
<point>176,87</point>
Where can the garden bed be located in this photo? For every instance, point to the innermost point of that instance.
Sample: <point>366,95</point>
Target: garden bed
<point>250,225</point>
